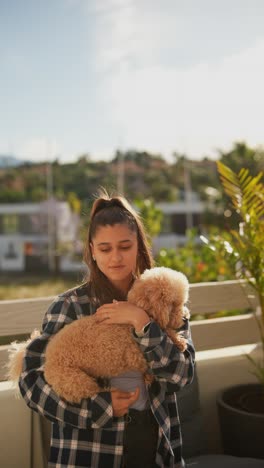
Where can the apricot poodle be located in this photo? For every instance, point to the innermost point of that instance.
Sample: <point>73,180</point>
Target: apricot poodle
<point>85,354</point>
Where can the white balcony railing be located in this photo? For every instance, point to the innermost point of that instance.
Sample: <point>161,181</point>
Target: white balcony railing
<point>19,316</point>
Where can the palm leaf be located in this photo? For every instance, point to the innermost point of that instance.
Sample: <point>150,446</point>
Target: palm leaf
<point>245,191</point>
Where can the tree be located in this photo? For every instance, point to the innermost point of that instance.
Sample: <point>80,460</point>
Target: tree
<point>74,202</point>
<point>242,155</point>
<point>198,262</point>
<point>151,216</point>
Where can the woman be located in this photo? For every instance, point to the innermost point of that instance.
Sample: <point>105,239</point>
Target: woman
<point>129,426</point>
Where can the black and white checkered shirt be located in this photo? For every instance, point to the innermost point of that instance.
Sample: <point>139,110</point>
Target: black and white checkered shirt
<point>86,434</point>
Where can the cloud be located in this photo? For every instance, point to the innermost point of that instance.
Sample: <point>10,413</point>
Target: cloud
<point>165,105</point>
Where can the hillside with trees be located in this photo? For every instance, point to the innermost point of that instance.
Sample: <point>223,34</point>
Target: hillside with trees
<point>144,174</point>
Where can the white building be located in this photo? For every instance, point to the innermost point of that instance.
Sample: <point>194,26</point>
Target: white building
<point>31,234</point>
<point>177,218</point>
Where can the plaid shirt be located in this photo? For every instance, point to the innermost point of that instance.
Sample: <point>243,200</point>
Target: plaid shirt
<point>86,434</point>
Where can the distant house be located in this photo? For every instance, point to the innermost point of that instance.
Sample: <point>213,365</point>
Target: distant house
<point>177,218</point>
<point>32,235</point>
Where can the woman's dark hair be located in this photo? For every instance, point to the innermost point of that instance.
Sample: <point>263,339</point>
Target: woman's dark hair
<point>108,211</point>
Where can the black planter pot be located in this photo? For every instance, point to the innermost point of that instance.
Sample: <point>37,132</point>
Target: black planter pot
<point>241,418</point>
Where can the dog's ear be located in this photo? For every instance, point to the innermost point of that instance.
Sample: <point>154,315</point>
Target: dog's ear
<point>152,302</point>
<point>176,315</point>
<point>160,312</point>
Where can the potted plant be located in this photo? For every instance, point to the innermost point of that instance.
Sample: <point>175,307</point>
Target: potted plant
<point>241,408</point>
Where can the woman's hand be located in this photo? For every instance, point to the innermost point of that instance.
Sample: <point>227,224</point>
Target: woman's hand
<point>122,312</point>
<point>121,401</point>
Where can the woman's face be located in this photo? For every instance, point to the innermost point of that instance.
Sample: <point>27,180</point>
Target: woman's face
<point>115,251</point>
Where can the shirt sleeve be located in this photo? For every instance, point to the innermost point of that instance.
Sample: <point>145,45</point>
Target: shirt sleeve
<point>95,412</point>
<point>169,365</point>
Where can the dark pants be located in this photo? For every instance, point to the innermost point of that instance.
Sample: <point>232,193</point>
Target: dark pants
<point>140,439</point>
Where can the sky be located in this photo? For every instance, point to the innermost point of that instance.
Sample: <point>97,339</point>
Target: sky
<point>94,76</point>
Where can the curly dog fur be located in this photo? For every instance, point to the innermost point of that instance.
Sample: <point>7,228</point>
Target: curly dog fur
<point>84,352</point>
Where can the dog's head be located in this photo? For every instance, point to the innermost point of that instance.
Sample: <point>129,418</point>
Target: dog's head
<point>162,293</point>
